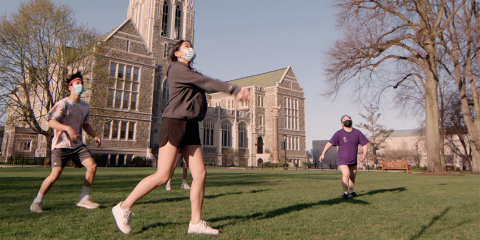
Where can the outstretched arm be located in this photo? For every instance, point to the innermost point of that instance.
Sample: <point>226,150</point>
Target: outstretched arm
<point>324,151</point>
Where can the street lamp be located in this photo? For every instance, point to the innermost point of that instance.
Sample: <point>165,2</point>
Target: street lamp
<point>285,147</point>
<point>418,160</point>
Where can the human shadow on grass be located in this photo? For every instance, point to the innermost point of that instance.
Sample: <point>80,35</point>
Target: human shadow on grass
<point>298,207</point>
<point>399,189</point>
<point>179,199</point>
<point>433,221</point>
<point>155,225</point>
<point>162,224</point>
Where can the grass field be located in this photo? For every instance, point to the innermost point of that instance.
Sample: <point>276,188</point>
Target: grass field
<point>246,204</point>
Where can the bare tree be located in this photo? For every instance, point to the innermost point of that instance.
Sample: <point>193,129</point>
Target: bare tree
<point>379,34</point>
<point>456,134</point>
<point>378,133</point>
<point>401,154</point>
<point>460,60</point>
<point>40,44</point>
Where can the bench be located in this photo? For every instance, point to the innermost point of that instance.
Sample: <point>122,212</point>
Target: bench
<point>396,165</point>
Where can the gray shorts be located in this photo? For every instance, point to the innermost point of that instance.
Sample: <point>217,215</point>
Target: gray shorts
<point>61,156</point>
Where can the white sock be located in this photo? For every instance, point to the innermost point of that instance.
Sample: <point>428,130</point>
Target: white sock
<point>184,181</point>
<point>84,193</point>
<point>350,191</point>
<point>168,182</point>
<point>39,198</point>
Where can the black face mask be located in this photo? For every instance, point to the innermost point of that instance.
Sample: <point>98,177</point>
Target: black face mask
<point>347,123</point>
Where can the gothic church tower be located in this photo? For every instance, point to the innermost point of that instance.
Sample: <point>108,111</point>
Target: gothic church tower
<point>159,20</point>
<point>162,23</point>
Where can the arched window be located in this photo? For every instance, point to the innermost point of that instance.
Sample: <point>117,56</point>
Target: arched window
<point>165,19</point>
<point>242,136</point>
<point>178,15</point>
<point>208,134</point>
<point>226,135</point>
<point>165,90</point>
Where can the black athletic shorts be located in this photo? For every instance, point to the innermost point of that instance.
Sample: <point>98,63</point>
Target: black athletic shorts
<point>179,133</point>
<point>61,156</point>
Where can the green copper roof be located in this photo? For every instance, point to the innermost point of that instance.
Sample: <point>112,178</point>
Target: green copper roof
<point>268,79</point>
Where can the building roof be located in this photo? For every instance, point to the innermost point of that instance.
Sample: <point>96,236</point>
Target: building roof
<point>407,133</point>
<point>110,34</point>
<point>268,79</point>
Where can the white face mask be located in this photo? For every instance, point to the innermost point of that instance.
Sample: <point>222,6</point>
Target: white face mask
<point>79,89</point>
<point>189,54</point>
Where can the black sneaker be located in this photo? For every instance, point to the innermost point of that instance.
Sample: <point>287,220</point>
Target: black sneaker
<point>345,196</point>
<point>353,194</point>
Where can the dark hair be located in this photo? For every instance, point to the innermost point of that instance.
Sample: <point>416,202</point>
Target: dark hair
<point>344,116</point>
<point>175,48</point>
<point>73,76</point>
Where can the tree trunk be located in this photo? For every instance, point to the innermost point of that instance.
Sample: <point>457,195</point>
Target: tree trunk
<point>48,148</point>
<point>475,158</point>
<point>434,163</point>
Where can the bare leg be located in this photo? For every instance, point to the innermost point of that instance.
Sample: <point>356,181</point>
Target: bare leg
<point>194,156</point>
<point>166,165</point>
<point>345,177</point>
<point>50,180</point>
<point>91,167</point>
<point>353,174</point>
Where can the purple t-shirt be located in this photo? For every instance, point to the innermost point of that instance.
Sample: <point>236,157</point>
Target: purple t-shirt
<point>347,143</point>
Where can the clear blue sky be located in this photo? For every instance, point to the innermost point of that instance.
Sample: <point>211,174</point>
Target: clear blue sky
<point>234,40</point>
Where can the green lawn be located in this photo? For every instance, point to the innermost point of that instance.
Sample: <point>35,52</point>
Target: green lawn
<point>246,204</point>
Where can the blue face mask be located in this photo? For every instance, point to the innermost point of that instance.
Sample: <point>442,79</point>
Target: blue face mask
<point>79,89</point>
<point>189,54</point>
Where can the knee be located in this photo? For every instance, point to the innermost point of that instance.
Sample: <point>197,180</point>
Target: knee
<point>92,168</point>
<point>54,176</point>
<point>202,175</point>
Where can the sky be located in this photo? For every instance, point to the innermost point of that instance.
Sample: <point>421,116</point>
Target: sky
<point>235,40</point>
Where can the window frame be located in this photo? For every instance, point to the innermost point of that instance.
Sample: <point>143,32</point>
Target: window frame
<point>165,18</point>
<point>208,133</point>
<point>118,126</point>
<point>123,90</point>
<point>242,135</point>
<point>226,134</point>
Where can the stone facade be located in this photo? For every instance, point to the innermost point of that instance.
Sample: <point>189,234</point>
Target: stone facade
<point>128,113</point>
<point>124,119</point>
<point>269,89</point>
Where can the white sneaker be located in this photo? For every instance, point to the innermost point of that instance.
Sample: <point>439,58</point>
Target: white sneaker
<point>185,186</point>
<point>123,217</point>
<point>36,207</point>
<point>167,186</point>
<point>202,228</point>
<point>86,203</point>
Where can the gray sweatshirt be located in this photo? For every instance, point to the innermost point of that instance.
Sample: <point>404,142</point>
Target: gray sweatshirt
<point>187,92</point>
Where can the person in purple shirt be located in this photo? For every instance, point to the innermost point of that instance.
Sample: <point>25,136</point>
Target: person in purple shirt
<point>347,141</point>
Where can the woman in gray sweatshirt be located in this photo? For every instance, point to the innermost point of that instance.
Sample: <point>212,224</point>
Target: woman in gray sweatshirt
<point>179,133</point>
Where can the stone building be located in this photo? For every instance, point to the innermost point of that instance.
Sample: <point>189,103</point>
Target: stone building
<point>128,117</point>
<point>248,127</point>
